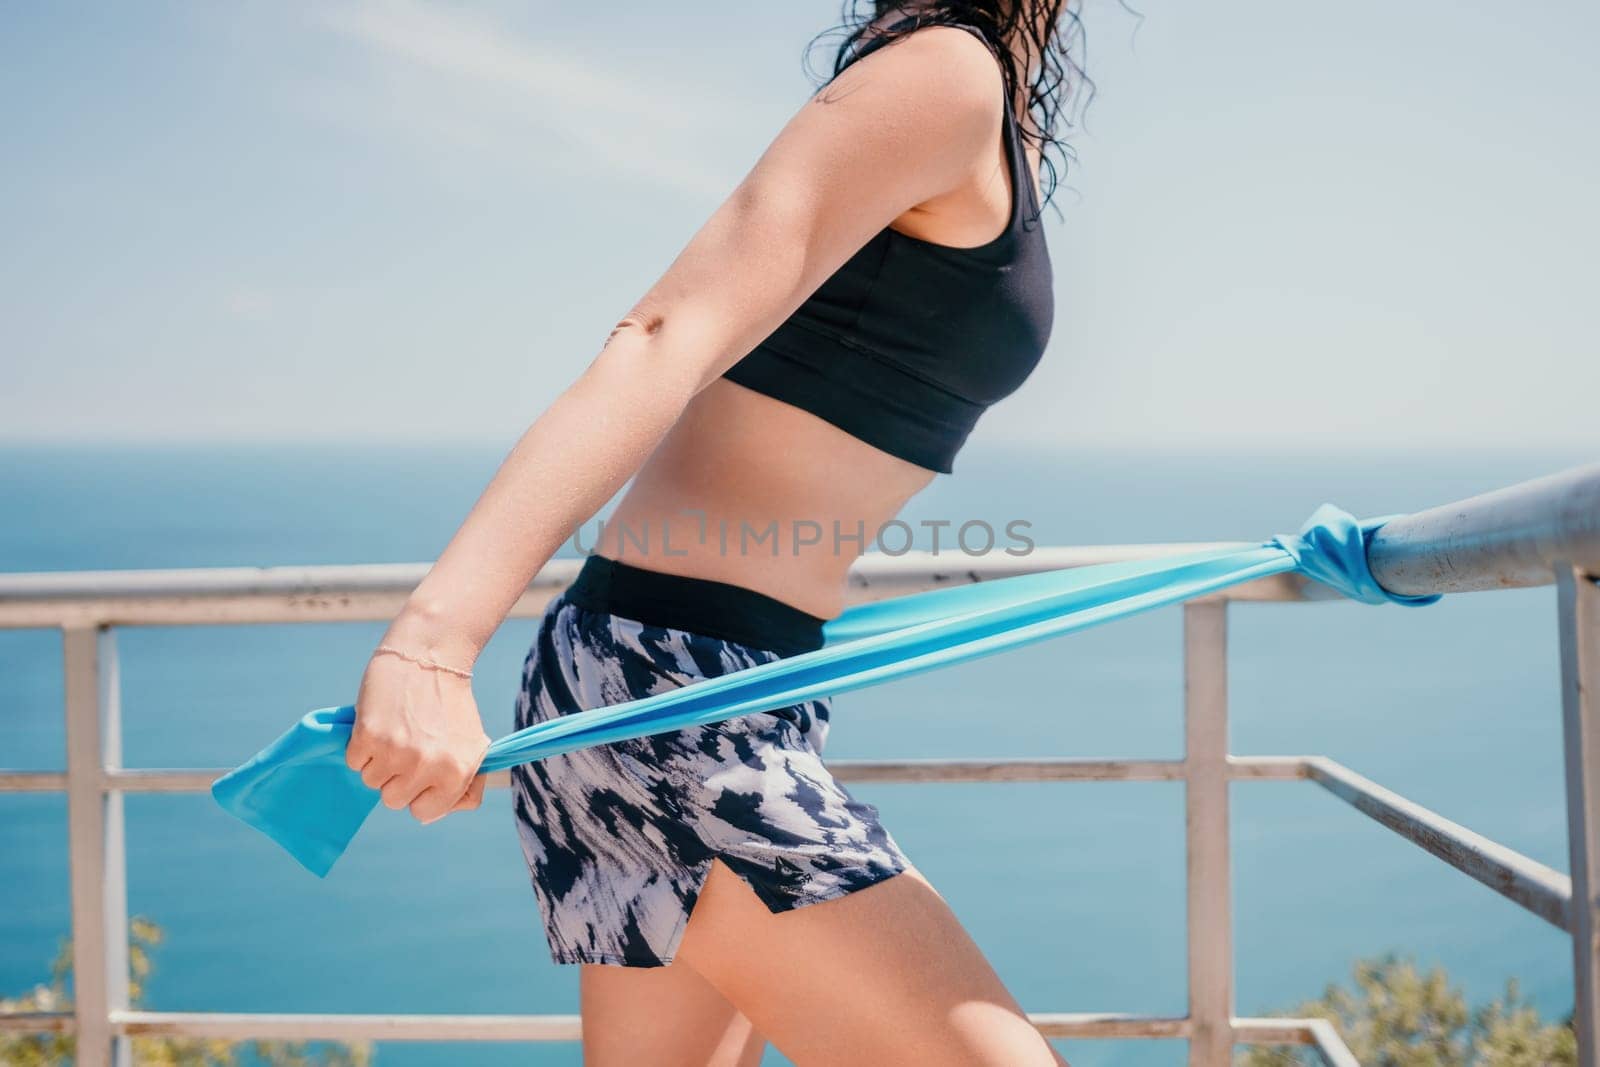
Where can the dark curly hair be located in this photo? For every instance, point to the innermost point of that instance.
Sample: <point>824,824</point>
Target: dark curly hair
<point>1052,38</point>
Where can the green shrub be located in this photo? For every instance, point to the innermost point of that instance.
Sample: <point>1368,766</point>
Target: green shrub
<point>1396,1016</point>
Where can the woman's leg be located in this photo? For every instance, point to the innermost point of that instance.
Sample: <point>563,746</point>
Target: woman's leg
<point>884,975</point>
<point>661,1015</point>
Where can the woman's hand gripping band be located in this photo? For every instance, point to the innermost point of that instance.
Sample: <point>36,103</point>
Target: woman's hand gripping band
<point>418,738</point>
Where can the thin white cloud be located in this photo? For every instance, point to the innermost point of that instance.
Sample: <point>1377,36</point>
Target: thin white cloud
<point>655,131</point>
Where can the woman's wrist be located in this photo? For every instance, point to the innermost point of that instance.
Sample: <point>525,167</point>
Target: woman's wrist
<point>422,661</point>
<point>424,630</point>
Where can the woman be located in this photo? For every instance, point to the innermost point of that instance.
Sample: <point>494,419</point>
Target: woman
<point>814,356</point>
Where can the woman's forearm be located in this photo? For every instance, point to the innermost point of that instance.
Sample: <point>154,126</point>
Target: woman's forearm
<point>566,466</point>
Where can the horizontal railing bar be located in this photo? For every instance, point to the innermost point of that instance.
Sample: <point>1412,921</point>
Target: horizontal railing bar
<point>376,591</point>
<point>1273,1031</point>
<point>871,571</point>
<point>1044,769</point>
<point>1542,890</point>
<point>243,1026</point>
<point>1108,1025</point>
<point>1506,538</point>
<point>198,582</point>
<point>334,1027</point>
<point>337,1027</point>
<point>240,610</point>
<point>33,781</point>
<point>1063,769</point>
<point>36,1022</point>
<point>1058,769</point>
<point>1267,768</point>
<point>158,780</point>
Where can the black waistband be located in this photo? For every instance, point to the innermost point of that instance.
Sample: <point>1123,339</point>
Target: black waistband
<point>697,605</point>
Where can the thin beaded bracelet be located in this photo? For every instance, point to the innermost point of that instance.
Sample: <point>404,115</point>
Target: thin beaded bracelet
<point>423,661</point>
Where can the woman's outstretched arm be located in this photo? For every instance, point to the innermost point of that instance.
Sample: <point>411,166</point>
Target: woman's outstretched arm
<point>917,118</point>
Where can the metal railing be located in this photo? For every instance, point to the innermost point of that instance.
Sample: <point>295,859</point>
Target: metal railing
<point>1531,534</point>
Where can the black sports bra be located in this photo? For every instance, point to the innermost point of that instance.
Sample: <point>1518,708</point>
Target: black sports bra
<point>908,342</point>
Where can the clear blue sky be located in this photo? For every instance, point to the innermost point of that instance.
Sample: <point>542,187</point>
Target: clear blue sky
<point>1364,222</point>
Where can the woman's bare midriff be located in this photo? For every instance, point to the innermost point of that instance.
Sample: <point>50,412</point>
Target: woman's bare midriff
<point>755,492</point>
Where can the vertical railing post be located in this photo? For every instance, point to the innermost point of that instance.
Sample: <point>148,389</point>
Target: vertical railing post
<point>1578,600</point>
<point>1205,684</point>
<point>95,843</point>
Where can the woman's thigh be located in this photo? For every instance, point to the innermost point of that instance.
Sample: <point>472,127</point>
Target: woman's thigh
<point>661,1015</point>
<point>884,975</point>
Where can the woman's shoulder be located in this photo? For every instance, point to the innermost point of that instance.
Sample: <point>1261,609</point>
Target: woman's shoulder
<point>949,65</point>
<point>957,42</point>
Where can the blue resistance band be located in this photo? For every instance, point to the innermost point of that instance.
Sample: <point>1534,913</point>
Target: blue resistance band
<point>299,792</point>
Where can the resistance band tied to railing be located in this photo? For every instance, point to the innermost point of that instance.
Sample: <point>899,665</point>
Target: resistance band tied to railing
<point>300,793</point>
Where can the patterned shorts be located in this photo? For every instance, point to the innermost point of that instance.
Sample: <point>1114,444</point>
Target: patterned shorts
<point>620,837</point>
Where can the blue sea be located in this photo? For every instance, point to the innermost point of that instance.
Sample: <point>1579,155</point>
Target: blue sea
<point>1075,890</point>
